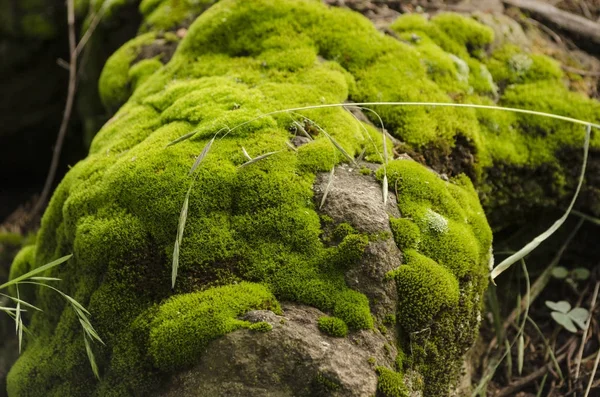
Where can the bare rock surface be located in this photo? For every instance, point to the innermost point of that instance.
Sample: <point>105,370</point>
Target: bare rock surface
<point>293,359</point>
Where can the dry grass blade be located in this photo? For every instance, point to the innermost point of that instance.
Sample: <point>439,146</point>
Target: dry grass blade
<point>593,374</point>
<point>585,331</point>
<point>300,128</point>
<point>505,264</point>
<point>22,302</point>
<point>258,158</point>
<point>385,190</point>
<point>182,138</point>
<point>338,146</point>
<point>19,321</point>
<point>91,357</point>
<point>383,133</point>
<point>246,154</point>
<point>39,270</point>
<point>291,146</point>
<point>594,220</point>
<point>180,229</point>
<point>520,354</point>
<point>495,363</point>
<point>548,348</point>
<point>79,310</point>
<point>364,129</point>
<point>45,279</point>
<point>329,183</point>
<point>201,156</point>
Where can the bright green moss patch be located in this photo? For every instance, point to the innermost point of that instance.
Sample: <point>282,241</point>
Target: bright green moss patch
<point>261,326</point>
<point>114,84</point>
<point>510,65</point>
<point>390,383</point>
<point>445,240</point>
<point>406,233</point>
<point>424,288</point>
<point>333,326</point>
<point>171,14</point>
<point>184,325</point>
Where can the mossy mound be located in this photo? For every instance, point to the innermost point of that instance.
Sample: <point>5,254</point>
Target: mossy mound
<point>516,161</point>
<point>253,235</point>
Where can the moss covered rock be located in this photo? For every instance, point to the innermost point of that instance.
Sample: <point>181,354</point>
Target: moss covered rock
<point>261,232</point>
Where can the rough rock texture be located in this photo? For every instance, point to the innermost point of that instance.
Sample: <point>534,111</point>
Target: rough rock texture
<point>357,199</point>
<point>293,359</point>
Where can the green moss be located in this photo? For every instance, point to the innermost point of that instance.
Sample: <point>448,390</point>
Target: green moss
<point>142,70</point>
<point>424,288</point>
<point>510,65</point>
<point>333,326</point>
<point>390,383</point>
<point>442,278</point>
<point>170,14</point>
<point>343,230</point>
<point>183,326</point>
<point>115,81</point>
<point>261,326</point>
<point>325,384</point>
<point>365,171</point>
<point>406,233</point>
<point>118,209</point>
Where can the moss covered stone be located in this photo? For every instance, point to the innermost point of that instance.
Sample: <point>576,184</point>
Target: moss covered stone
<point>254,235</point>
<point>445,241</point>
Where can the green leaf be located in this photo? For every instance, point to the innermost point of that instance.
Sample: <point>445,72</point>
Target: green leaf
<point>579,315</point>
<point>564,320</point>
<point>562,306</point>
<point>560,272</point>
<point>581,273</point>
<point>39,270</point>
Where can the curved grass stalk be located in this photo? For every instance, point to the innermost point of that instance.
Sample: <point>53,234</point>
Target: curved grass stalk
<point>535,242</point>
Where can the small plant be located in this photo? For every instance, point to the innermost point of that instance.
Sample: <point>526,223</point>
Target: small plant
<point>567,317</point>
<point>571,277</point>
<point>89,333</point>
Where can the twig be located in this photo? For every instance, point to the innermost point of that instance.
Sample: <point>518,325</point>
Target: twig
<point>515,386</point>
<point>565,20</point>
<point>593,374</point>
<point>66,115</point>
<point>590,73</point>
<point>585,331</point>
<point>90,30</point>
